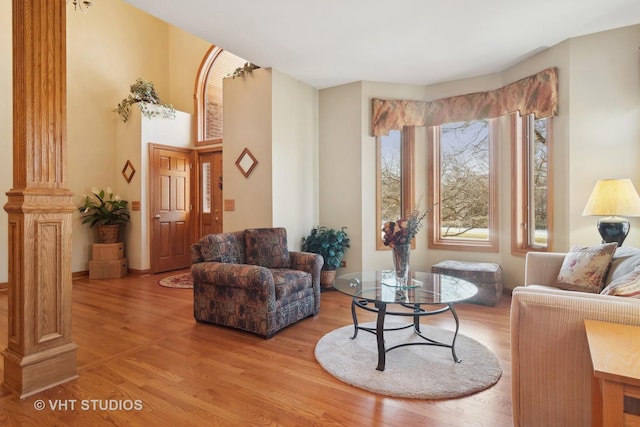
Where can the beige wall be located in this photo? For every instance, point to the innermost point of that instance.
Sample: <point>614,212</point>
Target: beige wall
<point>276,118</point>
<point>598,119</point>
<point>247,124</point>
<point>294,156</point>
<point>605,122</point>
<point>557,56</point>
<point>348,187</point>
<point>185,56</point>
<point>6,133</point>
<point>114,43</point>
<point>341,164</point>
<point>132,143</point>
<point>107,49</point>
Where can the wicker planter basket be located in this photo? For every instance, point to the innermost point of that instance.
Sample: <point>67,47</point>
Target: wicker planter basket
<point>326,278</point>
<point>108,233</point>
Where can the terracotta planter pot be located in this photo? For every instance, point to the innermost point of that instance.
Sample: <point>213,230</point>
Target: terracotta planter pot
<point>108,233</point>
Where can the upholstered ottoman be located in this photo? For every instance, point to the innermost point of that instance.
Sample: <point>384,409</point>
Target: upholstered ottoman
<point>486,276</point>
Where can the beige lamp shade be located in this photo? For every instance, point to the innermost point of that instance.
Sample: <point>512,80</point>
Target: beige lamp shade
<point>613,197</point>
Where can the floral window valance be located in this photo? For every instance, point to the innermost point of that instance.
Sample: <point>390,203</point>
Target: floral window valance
<point>537,95</point>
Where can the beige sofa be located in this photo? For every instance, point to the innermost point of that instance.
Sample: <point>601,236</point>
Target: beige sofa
<point>550,360</point>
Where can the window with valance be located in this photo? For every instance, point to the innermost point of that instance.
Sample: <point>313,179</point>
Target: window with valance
<point>533,98</point>
<point>537,95</point>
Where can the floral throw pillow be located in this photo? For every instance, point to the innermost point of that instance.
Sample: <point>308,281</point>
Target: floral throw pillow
<point>585,268</point>
<point>625,286</point>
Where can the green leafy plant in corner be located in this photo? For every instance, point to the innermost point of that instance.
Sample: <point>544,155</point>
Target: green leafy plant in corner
<point>102,207</point>
<point>144,94</point>
<point>329,243</point>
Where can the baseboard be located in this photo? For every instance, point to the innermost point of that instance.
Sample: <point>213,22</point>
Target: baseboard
<point>135,272</point>
<point>4,286</point>
<point>79,274</point>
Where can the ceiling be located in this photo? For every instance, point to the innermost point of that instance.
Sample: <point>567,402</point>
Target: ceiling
<point>330,42</point>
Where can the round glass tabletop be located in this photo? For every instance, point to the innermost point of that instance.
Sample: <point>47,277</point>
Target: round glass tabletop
<point>422,288</point>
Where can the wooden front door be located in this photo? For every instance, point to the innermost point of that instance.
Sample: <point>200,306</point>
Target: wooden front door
<point>170,177</point>
<point>210,190</point>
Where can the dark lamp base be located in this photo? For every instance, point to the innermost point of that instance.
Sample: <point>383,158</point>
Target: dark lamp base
<point>613,231</point>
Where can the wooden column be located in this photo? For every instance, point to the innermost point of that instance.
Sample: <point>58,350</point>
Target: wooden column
<point>40,352</point>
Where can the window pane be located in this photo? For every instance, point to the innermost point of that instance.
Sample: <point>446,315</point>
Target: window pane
<point>539,183</point>
<point>532,221</point>
<point>390,177</point>
<point>464,180</point>
<point>206,187</point>
<point>224,65</point>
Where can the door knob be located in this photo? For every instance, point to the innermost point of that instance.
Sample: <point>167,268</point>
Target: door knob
<point>157,216</point>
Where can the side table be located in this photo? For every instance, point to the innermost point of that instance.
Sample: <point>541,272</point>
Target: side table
<point>615,355</point>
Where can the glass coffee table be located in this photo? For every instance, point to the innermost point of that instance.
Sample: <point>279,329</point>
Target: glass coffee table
<point>426,294</point>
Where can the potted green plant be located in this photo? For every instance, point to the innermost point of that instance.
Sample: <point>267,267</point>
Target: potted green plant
<point>144,94</point>
<point>331,244</point>
<point>105,211</point>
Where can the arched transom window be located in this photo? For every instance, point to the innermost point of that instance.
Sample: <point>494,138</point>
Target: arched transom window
<point>216,65</point>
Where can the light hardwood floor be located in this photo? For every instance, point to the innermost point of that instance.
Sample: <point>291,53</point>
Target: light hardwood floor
<point>138,342</point>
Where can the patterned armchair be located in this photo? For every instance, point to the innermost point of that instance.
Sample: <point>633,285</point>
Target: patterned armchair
<point>249,280</point>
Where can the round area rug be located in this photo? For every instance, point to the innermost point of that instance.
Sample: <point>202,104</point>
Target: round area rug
<point>416,371</point>
<point>181,280</point>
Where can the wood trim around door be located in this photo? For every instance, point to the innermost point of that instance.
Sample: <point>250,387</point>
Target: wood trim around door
<point>153,194</point>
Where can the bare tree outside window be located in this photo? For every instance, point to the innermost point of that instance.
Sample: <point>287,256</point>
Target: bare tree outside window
<point>540,182</point>
<point>532,216</point>
<point>463,186</point>
<point>464,183</point>
<point>394,173</point>
<point>391,177</point>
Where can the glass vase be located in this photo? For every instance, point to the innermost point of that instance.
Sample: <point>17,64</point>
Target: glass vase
<point>401,263</point>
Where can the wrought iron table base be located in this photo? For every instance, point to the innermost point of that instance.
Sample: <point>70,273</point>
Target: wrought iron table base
<point>417,312</point>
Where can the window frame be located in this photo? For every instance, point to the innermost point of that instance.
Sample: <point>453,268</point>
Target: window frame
<point>520,186</point>
<point>199,96</point>
<point>407,177</point>
<point>434,176</point>
<point>209,61</point>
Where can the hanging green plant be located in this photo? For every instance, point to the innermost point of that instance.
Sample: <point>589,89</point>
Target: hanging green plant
<point>246,69</point>
<point>144,94</point>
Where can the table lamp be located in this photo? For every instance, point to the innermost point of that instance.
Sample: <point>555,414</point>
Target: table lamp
<point>613,198</point>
